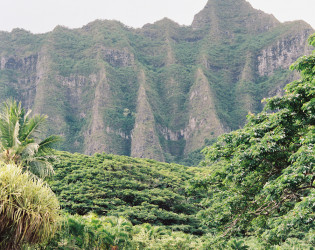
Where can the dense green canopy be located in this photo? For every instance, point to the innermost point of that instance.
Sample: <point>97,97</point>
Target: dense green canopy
<point>141,190</point>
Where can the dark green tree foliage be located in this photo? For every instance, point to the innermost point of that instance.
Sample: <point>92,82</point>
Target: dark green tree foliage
<point>262,177</point>
<point>144,191</point>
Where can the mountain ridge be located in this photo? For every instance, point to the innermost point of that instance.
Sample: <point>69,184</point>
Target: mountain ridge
<point>158,92</point>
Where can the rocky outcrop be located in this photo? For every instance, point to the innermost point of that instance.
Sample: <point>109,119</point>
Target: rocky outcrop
<point>145,141</point>
<point>26,64</point>
<point>283,52</point>
<point>118,58</point>
<point>203,120</point>
<point>26,69</point>
<point>96,137</point>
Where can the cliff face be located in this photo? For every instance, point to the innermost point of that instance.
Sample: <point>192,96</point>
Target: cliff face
<point>145,140</point>
<point>281,53</point>
<point>158,92</point>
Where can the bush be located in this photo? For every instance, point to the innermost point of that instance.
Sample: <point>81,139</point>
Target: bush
<point>29,210</point>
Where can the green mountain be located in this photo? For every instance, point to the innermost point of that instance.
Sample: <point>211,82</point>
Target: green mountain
<point>159,92</point>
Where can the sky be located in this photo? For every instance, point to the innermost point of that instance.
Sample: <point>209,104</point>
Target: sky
<point>40,16</point>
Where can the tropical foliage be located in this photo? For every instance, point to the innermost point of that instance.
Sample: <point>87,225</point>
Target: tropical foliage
<point>29,210</point>
<point>93,232</point>
<point>141,190</point>
<point>256,188</point>
<point>18,139</point>
<point>262,177</point>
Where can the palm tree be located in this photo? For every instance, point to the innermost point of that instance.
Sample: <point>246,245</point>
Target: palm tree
<point>18,142</point>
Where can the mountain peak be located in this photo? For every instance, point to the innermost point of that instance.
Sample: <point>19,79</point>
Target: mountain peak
<point>233,14</point>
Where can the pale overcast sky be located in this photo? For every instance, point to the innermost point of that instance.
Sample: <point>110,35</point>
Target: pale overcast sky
<point>39,16</point>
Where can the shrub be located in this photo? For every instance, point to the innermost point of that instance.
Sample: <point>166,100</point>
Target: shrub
<point>29,210</point>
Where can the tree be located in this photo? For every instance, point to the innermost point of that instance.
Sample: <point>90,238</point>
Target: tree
<point>29,210</point>
<point>262,177</point>
<point>18,141</point>
<point>92,232</point>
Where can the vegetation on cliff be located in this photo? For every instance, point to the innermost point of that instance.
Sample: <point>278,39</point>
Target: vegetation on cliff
<point>161,92</point>
<point>94,81</point>
<point>255,189</point>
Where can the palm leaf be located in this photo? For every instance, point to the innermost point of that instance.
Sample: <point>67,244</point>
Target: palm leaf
<point>9,123</point>
<point>29,150</point>
<point>18,142</point>
<point>40,166</point>
<point>31,126</point>
<point>15,134</point>
<point>25,118</point>
<point>45,146</point>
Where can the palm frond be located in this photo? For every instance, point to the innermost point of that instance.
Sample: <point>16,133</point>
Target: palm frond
<point>9,123</point>
<point>18,139</point>
<point>15,134</point>
<point>29,150</point>
<point>40,166</point>
<point>26,116</point>
<point>32,126</point>
<point>45,145</point>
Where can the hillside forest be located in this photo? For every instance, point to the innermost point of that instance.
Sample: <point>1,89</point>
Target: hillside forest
<point>111,144</point>
<point>254,190</point>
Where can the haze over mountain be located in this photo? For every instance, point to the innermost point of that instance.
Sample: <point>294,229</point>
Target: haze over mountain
<point>159,92</point>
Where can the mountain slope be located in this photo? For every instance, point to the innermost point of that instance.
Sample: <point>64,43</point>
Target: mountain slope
<point>158,92</point>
